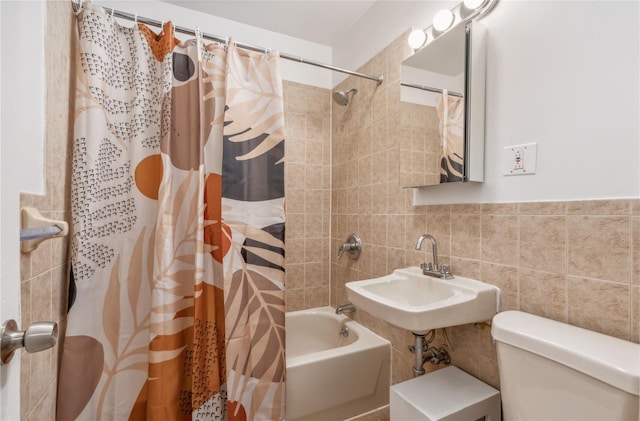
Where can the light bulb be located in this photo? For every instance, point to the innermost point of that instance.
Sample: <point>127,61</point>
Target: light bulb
<point>417,38</point>
<point>473,4</point>
<point>442,20</point>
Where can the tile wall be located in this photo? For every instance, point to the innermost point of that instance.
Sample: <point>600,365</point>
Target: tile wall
<point>420,153</point>
<point>577,262</point>
<point>308,199</point>
<point>44,271</point>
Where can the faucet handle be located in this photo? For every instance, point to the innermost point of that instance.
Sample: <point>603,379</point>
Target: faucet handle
<point>353,246</point>
<point>446,272</point>
<point>426,266</point>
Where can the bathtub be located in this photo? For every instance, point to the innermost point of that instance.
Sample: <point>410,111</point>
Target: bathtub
<point>331,376</point>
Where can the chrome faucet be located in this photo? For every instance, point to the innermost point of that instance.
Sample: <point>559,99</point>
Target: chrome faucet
<point>346,308</point>
<point>433,269</point>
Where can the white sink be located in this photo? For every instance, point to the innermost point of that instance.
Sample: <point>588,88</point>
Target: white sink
<point>416,302</point>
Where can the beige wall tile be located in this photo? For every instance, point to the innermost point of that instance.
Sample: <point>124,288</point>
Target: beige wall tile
<point>599,207</point>
<point>25,266</point>
<point>544,294</point>
<point>294,299</point>
<point>500,239</point>
<point>600,306</point>
<point>543,243</point>
<point>316,297</point>
<point>466,267</point>
<point>379,257</point>
<point>465,209</point>
<point>439,225</point>
<point>542,208</point>
<point>598,247</point>
<point>294,275</point>
<point>415,225</point>
<point>41,258</point>
<point>396,232</point>
<point>635,314</point>
<point>635,250</point>
<point>466,240</point>
<point>498,208</point>
<point>396,259</point>
<point>505,278</point>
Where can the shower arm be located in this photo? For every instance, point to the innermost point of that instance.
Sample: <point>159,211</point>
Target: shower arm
<point>77,8</point>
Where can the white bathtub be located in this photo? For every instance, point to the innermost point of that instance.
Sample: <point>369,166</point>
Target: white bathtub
<point>330,377</point>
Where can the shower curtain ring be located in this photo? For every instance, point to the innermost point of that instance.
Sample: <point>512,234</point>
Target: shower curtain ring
<point>113,10</point>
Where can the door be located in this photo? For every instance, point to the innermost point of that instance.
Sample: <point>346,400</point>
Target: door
<point>22,36</point>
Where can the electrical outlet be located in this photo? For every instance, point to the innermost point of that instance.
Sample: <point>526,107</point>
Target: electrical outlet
<point>520,159</point>
<point>518,155</point>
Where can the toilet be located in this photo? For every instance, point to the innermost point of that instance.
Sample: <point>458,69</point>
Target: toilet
<point>554,371</point>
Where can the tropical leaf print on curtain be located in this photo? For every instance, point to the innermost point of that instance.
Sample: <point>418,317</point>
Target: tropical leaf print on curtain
<point>451,125</point>
<point>253,207</point>
<point>178,230</point>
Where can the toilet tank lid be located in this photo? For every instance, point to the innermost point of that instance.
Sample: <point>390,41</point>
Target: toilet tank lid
<point>611,360</point>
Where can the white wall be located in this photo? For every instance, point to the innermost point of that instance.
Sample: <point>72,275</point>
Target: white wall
<point>384,22</point>
<point>247,34</point>
<point>565,75</point>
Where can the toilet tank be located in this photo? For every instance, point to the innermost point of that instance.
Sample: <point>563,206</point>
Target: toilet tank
<point>554,371</point>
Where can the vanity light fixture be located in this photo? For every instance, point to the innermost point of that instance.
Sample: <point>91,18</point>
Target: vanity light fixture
<point>417,38</point>
<point>443,20</point>
<point>473,4</point>
<point>447,19</point>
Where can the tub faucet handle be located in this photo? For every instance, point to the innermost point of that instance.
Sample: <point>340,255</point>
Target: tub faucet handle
<point>353,246</point>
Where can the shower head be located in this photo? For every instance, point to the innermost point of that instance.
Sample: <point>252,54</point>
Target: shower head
<point>342,97</point>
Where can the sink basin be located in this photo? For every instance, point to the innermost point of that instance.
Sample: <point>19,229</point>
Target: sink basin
<point>410,300</point>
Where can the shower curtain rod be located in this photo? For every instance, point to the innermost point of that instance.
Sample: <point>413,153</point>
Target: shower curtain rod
<point>77,6</point>
<point>430,89</point>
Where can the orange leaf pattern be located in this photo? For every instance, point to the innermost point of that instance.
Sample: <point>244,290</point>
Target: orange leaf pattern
<point>178,229</point>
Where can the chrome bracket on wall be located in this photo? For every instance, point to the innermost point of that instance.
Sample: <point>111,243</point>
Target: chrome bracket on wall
<point>353,246</point>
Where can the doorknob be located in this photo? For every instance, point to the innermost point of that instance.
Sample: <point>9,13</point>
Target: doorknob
<point>38,337</point>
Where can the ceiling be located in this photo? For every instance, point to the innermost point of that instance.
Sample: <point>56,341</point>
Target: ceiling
<point>325,22</point>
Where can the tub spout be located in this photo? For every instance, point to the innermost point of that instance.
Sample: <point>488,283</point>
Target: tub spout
<point>346,308</point>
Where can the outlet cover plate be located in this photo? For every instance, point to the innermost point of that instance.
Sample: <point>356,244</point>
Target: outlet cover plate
<point>520,159</point>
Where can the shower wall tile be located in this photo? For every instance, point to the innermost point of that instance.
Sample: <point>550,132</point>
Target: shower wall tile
<point>308,180</point>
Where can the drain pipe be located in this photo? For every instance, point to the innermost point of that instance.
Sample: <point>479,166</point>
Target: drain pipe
<point>418,349</point>
<point>423,352</point>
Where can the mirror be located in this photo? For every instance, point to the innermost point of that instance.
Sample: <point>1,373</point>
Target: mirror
<point>442,109</point>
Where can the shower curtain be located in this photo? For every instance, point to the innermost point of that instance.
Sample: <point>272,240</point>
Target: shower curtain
<point>451,124</point>
<point>178,230</point>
